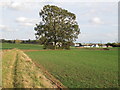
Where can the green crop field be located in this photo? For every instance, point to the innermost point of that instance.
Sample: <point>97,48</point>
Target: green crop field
<point>81,68</point>
<point>21,46</point>
<point>78,67</point>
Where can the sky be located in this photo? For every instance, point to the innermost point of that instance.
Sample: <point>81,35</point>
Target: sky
<point>97,19</point>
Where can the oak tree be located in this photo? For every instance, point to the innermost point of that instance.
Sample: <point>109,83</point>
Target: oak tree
<point>57,29</point>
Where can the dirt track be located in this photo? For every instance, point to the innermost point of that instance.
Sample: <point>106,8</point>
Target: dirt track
<point>22,72</point>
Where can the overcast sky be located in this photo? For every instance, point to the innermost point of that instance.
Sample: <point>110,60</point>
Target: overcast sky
<point>98,21</point>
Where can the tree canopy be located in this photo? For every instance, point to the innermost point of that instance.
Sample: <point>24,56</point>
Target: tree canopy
<point>58,27</point>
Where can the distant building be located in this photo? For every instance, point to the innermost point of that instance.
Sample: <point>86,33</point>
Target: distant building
<point>97,45</point>
<point>77,44</point>
<point>94,45</point>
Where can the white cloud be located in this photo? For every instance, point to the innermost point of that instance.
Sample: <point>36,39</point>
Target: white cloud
<point>6,28</point>
<point>93,22</point>
<point>27,21</point>
<point>16,5</point>
<point>28,24</point>
<point>22,6</point>
<point>22,19</point>
<point>3,27</point>
<point>13,5</point>
<point>96,20</point>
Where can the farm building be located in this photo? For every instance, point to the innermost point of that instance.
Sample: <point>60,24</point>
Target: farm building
<point>77,44</point>
<point>95,45</point>
<point>91,45</point>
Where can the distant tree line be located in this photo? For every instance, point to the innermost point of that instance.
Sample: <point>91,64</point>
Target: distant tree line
<point>99,44</point>
<point>40,42</point>
<point>113,44</point>
<point>21,41</point>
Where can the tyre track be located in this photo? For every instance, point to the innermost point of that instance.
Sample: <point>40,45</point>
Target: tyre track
<point>27,74</point>
<point>15,72</point>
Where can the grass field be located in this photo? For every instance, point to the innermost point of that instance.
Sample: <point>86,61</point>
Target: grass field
<point>21,46</point>
<point>78,67</point>
<point>82,68</point>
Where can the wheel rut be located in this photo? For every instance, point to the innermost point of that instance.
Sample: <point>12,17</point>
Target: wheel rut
<point>25,73</point>
<point>15,72</point>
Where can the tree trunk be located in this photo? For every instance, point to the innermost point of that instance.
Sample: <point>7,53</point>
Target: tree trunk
<point>55,46</point>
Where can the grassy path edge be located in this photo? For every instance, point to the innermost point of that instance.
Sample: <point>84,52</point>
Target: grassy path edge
<point>27,73</point>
